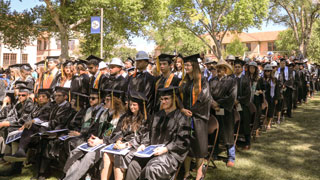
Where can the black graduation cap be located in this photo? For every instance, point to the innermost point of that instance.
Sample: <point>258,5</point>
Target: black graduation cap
<point>10,93</point>
<point>81,61</point>
<point>166,57</point>
<point>113,92</point>
<point>63,90</point>
<point>24,88</point>
<point>67,63</point>
<point>283,59</point>
<point>131,69</point>
<point>239,61</point>
<point>21,83</point>
<point>192,58</point>
<point>94,91</point>
<point>52,58</point>
<point>92,57</point>
<point>26,67</point>
<point>168,91</point>
<point>131,60</point>
<point>47,92</point>
<point>140,98</point>
<point>14,66</point>
<point>40,63</point>
<point>79,97</point>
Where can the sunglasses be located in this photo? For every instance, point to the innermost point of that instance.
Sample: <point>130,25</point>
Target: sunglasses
<point>23,95</point>
<point>90,67</point>
<point>57,95</point>
<point>108,99</point>
<point>93,98</point>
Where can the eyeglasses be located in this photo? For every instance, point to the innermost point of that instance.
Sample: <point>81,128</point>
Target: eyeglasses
<point>90,67</point>
<point>57,95</point>
<point>165,99</point>
<point>23,95</point>
<point>107,99</point>
<point>93,98</point>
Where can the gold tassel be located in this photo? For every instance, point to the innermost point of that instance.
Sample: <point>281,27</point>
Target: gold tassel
<point>69,96</point>
<point>112,99</point>
<point>45,66</point>
<point>158,65</point>
<point>182,78</point>
<point>78,103</point>
<point>62,74</point>
<point>145,110</point>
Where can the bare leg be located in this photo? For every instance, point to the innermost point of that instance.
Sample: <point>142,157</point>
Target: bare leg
<point>107,166</point>
<point>200,162</point>
<point>119,173</point>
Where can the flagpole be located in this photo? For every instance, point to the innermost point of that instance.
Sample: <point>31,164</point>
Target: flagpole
<point>101,34</point>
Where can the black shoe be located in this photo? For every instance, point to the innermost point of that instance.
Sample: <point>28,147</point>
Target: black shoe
<point>19,156</point>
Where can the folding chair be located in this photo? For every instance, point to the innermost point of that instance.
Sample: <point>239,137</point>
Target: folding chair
<point>213,126</point>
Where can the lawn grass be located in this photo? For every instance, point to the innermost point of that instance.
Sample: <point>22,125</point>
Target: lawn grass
<point>289,151</point>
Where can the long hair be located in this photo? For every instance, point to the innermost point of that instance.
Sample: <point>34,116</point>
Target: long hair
<point>118,107</point>
<point>134,122</point>
<point>255,76</point>
<point>273,79</point>
<point>196,72</point>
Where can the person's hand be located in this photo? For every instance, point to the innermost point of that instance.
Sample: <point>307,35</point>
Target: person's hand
<point>160,150</point>
<point>141,148</point>
<point>22,128</point>
<point>28,124</point>
<point>120,145</point>
<point>74,133</point>
<point>217,109</point>
<point>186,112</point>
<point>6,101</point>
<point>94,141</point>
<point>4,124</point>
<point>276,102</point>
<point>236,102</point>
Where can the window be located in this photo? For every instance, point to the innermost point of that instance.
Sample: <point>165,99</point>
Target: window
<point>248,46</point>
<point>44,45</point>
<point>71,44</point>
<point>58,42</point>
<point>9,59</point>
<point>271,46</point>
<point>39,45</point>
<point>24,58</point>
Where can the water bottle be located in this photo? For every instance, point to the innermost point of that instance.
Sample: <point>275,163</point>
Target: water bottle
<point>88,177</point>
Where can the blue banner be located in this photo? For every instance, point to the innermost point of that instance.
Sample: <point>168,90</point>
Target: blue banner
<point>95,25</point>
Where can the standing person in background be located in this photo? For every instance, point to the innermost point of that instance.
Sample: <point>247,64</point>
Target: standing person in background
<point>50,77</point>
<point>97,76</point>
<point>196,106</point>
<point>179,67</point>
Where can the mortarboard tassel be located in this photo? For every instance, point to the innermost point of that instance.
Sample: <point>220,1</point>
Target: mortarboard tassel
<point>112,99</point>
<point>69,96</point>
<point>62,73</point>
<point>158,65</point>
<point>145,110</point>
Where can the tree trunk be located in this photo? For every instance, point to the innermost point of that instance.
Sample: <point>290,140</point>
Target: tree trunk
<point>64,46</point>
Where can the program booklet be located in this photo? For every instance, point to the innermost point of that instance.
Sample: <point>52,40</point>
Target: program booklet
<point>13,136</point>
<point>110,149</point>
<point>148,151</point>
<point>85,147</point>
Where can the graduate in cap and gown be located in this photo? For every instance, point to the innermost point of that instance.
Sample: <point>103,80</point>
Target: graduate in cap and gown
<point>80,81</point>
<point>37,121</point>
<point>65,78</point>
<point>243,101</point>
<point>115,80</point>
<point>169,127</point>
<point>52,73</point>
<point>131,125</point>
<point>80,162</point>
<point>97,76</point>
<point>142,81</point>
<point>196,100</point>
<point>60,115</point>
<point>167,77</point>
<point>223,89</point>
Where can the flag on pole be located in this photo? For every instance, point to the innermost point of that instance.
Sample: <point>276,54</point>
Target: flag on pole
<point>95,25</point>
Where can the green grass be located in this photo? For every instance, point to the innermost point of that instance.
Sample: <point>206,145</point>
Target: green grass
<point>289,151</point>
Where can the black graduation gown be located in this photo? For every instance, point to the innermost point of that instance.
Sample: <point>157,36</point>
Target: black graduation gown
<point>269,99</point>
<point>243,96</point>
<point>55,80</point>
<point>224,92</point>
<point>113,82</point>
<point>200,117</point>
<point>80,84</point>
<point>19,114</point>
<point>173,130</point>
<point>143,82</point>
<point>60,116</point>
<point>160,82</point>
